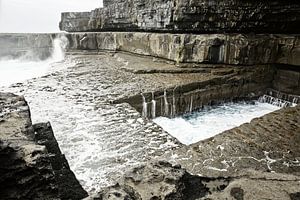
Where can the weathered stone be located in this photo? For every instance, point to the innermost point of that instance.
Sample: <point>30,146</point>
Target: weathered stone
<point>161,180</point>
<point>295,196</point>
<point>240,84</point>
<point>189,16</point>
<point>28,168</point>
<point>287,80</point>
<point>236,49</point>
<point>268,143</point>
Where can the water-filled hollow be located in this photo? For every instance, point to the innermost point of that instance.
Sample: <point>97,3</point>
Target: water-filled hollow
<point>211,120</point>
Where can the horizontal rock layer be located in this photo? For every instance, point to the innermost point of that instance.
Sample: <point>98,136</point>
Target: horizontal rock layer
<point>32,166</point>
<point>236,49</point>
<point>233,83</point>
<point>202,16</point>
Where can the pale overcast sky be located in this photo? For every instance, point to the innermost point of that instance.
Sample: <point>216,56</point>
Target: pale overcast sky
<point>38,15</point>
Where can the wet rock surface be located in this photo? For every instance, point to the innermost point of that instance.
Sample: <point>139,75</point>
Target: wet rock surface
<point>188,16</point>
<point>28,168</point>
<point>107,139</point>
<point>268,144</point>
<point>100,139</point>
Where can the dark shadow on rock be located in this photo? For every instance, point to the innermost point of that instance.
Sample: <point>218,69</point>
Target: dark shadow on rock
<point>69,187</point>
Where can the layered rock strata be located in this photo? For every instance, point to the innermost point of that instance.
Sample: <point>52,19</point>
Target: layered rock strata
<point>230,84</point>
<point>280,16</point>
<point>32,166</point>
<point>235,49</point>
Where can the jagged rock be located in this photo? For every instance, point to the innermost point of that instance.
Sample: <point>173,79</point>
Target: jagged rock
<point>31,169</point>
<point>188,16</point>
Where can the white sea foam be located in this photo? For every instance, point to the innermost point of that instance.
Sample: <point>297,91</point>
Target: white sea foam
<point>209,122</point>
<point>24,68</point>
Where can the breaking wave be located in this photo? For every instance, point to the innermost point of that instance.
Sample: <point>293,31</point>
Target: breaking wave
<point>28,66</point>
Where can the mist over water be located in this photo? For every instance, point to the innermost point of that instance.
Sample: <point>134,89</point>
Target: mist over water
<point>28,66</point>
<point>211,121</point>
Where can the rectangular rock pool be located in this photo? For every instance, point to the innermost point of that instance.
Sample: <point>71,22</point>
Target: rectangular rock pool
<point>212,120</point>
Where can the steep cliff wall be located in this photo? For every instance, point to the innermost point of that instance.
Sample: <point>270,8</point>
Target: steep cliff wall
<point>236,49</point>
<point>203,16</point>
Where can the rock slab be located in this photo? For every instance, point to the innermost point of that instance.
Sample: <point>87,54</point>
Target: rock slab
<point>32,166</point>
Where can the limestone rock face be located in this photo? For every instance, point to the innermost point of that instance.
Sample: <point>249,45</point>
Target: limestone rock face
<point>287,80</point>
<point>217,16</point>
<point>236,49</point>
<point>31,164</point>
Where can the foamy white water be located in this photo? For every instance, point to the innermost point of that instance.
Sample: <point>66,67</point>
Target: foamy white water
<point>211,121</point>
<point>22,69</point>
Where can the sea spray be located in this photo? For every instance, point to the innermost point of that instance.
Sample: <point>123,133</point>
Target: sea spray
<point>145,107</point>
<point>59,46</point>
<point>191,104</point>
<point>29,66</point>
<point>153,108</point>
<point>277,101</point>
<point>166,103</point>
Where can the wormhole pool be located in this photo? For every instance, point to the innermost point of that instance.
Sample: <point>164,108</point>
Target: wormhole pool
<point>212,120</point>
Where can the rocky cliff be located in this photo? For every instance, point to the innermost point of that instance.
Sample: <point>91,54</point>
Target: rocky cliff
<point>203,16</point>
<point>31,164</point>
<point>235,49</point>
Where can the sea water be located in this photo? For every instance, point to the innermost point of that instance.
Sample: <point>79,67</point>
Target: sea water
<point>210,121</point>
<point>24,68</point>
